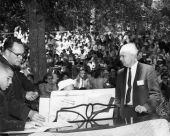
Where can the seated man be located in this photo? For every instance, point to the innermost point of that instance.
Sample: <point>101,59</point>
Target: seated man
<point>5,123</point>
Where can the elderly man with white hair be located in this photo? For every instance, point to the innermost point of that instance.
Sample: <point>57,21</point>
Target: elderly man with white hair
<point>137,88</point>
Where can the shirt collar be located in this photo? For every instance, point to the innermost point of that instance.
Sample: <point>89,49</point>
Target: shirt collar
<point>134,66</point>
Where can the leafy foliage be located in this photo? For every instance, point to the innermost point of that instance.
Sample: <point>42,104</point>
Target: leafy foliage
<point>72,14</point>
<point>12,13</point>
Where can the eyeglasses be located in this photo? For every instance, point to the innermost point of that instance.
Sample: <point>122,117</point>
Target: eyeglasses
<point>17,54</point>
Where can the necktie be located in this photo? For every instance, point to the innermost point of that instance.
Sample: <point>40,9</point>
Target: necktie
<point>129,87</point>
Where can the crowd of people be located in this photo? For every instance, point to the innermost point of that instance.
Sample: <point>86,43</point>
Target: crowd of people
<point>98,55</point>
<point>79,61</point>
<point>68,52</point>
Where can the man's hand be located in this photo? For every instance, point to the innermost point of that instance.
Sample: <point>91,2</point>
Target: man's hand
<point>31,95</point>
<point>117,102</point>
<point>35,116</point>
<point>32,124</point>
<point>140,109</point>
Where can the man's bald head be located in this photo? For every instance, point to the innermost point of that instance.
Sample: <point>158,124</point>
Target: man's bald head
<point>6,76</point>
<point>4,68</point>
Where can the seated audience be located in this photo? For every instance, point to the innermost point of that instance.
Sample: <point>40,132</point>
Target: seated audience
<point>64,76</point>
<point>48,86</point>
<point>165,86</point>
<point>82,81</point>
<point>112,78</point>
<point>106,76</point>
<point>98,81</point>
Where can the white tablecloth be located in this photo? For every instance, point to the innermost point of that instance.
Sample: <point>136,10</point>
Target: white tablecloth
<point>157,127</point>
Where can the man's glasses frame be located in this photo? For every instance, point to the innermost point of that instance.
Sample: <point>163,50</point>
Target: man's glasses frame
<point>17,54</point>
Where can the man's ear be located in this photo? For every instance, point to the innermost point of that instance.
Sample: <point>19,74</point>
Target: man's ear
<point>7,52</point>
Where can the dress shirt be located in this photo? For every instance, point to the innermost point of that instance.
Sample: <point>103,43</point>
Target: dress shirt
<point>133,72</point>
<point>81,85</point>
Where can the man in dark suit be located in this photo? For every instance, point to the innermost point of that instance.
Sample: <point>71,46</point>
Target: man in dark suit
<point>5,81</point>
<point>21,88</point>
<point>137,88</point>
<point>6,123</point>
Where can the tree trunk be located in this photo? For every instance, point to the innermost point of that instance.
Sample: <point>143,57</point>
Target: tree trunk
<point>37,40</point>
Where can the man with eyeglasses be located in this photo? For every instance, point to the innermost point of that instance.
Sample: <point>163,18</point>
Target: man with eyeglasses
<point>22,89</point>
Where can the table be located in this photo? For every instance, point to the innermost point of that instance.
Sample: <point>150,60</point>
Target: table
<point>105,125</point>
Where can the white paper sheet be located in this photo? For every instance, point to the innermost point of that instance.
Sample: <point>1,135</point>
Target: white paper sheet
<point>63,99</point>
<point>44,105</point>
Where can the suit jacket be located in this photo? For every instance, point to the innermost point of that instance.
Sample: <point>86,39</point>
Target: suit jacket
<point>6,124</point>
<point>20,83</point>
<point>146,94</point>
<point>16,96</point>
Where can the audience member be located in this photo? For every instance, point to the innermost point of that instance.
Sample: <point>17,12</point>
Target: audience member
<point>98,81</point>
<point>48,86</point>
<point>82,81</point>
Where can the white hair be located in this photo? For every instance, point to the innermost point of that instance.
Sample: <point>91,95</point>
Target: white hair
<point>129,48</point>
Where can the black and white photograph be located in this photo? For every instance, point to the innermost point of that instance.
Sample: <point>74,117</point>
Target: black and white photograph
<point>85,67</point>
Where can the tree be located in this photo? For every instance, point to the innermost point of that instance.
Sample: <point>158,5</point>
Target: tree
<point>37,39</point>
<point>40,16</point>
<point>12,14</point>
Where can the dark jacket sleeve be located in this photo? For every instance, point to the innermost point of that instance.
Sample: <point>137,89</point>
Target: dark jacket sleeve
<point>17,109</point>
<point>5,123</point>
<point>27,85</point>
<point>154,91</point>
<point>11,125</point>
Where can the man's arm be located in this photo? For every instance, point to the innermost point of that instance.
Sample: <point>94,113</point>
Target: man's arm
<point>154,91</point>
<point>21,111</point>
<point>154,94</point>
<point>17,109</point>
<point>31,92</point>
<point>27,84</point>
<point>11,125</point>
<point>5,124</point>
